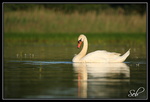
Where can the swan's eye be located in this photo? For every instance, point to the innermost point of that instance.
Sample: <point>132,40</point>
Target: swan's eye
<point>79,41</point>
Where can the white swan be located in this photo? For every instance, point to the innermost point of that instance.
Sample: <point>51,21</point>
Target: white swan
<point>97,56</point>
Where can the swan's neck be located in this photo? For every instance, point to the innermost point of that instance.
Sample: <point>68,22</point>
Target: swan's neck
<point>78,57</point>
<point>84,49</point>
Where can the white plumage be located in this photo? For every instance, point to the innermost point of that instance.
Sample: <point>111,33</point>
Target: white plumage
<point>97,56</point>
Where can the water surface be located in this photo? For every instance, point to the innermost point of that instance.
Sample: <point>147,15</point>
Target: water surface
<point>46,71</point>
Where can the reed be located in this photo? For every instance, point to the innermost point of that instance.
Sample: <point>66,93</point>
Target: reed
<point>48,21</point>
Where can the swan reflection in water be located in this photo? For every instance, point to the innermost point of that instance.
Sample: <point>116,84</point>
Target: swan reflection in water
<point>96,78</point>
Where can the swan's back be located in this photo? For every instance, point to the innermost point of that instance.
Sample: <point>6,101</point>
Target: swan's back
<point>104,56</point>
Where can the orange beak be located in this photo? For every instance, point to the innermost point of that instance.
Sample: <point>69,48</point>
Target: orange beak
<point>79,44</point>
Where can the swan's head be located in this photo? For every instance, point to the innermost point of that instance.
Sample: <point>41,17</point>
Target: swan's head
<point>80,40</point>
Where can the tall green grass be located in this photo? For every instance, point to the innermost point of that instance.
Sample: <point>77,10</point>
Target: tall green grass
<point>48,21</point>
<point>56,38</point>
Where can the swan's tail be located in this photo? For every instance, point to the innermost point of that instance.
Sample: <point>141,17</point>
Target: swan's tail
<point>125,55</point>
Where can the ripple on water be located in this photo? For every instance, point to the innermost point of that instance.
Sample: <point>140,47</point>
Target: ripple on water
<point>43,62</point>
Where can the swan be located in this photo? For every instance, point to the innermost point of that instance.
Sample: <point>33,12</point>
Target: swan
<point>97,56</point>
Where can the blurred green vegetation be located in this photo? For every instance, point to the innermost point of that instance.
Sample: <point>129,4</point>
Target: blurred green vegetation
<point>82,8</point>
<point>38,42</point>
<point>57,38</point>
<point>74,18</point>
<point>49,21</point>
<point>62,23</point>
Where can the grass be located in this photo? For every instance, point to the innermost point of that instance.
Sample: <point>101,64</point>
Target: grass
<point>106,38</point>
<point>48,21</point>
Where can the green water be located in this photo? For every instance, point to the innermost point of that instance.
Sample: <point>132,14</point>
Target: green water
<point>43,70</point>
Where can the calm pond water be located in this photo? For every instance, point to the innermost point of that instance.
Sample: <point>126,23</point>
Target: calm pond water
<point>46,72</point>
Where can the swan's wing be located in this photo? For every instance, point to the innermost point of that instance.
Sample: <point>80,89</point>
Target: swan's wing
<point>100,55</point>
<point>114,53</point>
<point>103,54</point>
